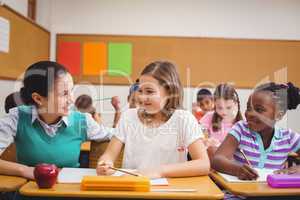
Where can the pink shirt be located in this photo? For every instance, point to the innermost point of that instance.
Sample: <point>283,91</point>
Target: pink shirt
<point>220,135</point>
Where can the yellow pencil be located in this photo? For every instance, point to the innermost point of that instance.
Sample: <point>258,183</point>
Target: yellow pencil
<point>124,171</point>
<point>242,152</point>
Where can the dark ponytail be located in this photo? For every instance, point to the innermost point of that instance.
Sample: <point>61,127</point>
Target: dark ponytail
<point>293,96</point>
<point>286,96</point>
<point>26,96</point>
<point>13,100</point>
<point>39,78</point>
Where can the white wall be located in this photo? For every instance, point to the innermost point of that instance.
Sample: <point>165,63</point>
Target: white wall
<point>43,13</point>
<point>43,10</point>
<point>19,5</point>
<point>270,19</point>
<point>274,19</point>
<point>225,18</point>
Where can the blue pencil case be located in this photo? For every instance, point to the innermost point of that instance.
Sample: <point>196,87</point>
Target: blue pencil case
<point>284,180</point>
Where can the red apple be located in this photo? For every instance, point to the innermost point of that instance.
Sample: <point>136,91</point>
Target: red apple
<point>45,175</point>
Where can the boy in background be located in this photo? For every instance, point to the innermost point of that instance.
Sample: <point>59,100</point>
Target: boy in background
<point>204,104</point>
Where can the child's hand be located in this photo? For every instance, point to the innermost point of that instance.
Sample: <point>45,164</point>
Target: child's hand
<point>97,118</point>
<point>290,170</point>
<point>115,102</point>
<point>27,172</point>
<point>245,172</point>
<point>211,142</point>
<point>103,168</point>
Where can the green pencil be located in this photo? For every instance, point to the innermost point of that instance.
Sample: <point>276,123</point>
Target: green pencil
<point>102,99</point>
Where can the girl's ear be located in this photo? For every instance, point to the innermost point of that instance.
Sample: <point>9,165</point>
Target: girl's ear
<point>38,99</point>
<point>279,115</point>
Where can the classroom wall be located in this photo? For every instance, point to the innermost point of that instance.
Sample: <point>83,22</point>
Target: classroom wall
<point>272,19</point>
<point>43,13</point>
<point>19,5</point>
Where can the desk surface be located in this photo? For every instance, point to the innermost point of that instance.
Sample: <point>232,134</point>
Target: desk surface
<point>86,146</point>
<point>206,189</point>
<point>254,188</point>
<point>11,183</point>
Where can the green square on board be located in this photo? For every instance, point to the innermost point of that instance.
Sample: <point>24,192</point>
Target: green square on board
<point>119,59</point>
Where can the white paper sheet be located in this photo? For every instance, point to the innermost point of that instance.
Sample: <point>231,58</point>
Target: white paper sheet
<point>263,173</point>
<point>4,35</point>
<point>75,175</point>
<point>159,181</point>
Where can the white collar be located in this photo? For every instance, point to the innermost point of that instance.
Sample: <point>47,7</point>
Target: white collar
<point>35,116</point>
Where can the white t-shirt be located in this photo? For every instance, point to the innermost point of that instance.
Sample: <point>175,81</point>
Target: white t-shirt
<point>151,147</point>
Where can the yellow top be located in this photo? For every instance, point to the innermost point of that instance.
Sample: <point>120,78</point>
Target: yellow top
<point>11,183</point>
<point>123,183</point>
<point>251,189</point>
<point>204,186</point>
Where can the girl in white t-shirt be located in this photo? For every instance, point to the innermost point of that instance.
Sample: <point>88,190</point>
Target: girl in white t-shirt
<point>157,134</point>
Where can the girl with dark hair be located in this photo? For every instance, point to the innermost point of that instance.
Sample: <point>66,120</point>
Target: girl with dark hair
<point>12,100</point>
<point>158,134</point>
<point>264,144</point>
<point>204,104</point>
<point>45,128</point>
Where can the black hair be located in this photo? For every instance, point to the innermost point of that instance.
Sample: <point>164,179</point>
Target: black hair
<point>40,78</point>
<point>13,100</point>
<point>286,96</point>
<point>203,93</point>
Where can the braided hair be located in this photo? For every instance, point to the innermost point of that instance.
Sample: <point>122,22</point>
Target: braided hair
<point>286,96</point>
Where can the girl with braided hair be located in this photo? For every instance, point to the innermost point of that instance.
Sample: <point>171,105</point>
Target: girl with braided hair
<point>264,144</point>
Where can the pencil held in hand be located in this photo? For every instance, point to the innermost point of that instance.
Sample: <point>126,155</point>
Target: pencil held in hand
<point>245,157</point>
<point>245,172</point>
<point>124,171</point>
<point>103,168</point>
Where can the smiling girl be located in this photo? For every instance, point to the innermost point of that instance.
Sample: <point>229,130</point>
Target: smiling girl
<point>46,131</point>
<point>158,134</point>
<point>265,145</point>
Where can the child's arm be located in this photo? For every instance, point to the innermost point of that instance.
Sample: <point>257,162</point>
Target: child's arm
<point>198,166</point>
<point>295,147</point>
<point>16,169</point>
<point>97,117</point>
<point>290,170</point>
<point>110,155</point>
<point>115,102</point>
<point>8,130</point>
<point>223,161</point>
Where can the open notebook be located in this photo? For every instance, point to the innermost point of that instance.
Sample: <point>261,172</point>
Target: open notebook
<point>263,173</point>
<point>75,175</point>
